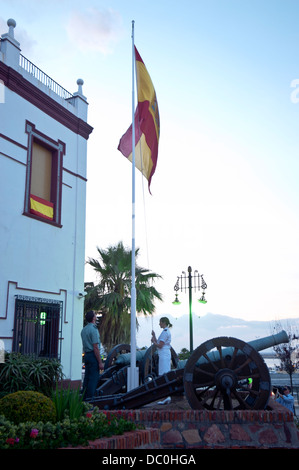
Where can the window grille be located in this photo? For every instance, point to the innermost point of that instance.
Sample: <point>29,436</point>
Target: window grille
<point>37,327</point>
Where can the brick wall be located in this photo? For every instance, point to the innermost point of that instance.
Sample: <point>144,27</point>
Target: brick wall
<point>140,439</point>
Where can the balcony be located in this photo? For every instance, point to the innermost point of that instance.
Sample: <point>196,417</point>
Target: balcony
<point>43,78</point>
<point>13,64</point>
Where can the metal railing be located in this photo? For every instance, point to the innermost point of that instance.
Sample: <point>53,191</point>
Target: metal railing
<point>44,78</point>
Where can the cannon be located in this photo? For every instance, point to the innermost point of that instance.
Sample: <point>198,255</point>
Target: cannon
<point>114,377</point>
<point>212,378</point>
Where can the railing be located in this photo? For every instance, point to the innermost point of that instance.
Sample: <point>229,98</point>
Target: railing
<point>44,78</point>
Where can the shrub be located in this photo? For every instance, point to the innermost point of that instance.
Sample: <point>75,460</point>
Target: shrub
<point>20,372</point>
<point>25,406</point>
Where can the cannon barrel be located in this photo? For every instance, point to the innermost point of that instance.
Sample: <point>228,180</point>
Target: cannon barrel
<point>269,341</point>
<point>257,344</point>
<point>125,359</point>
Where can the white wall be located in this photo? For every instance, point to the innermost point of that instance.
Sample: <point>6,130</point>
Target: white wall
<point>36,255</point>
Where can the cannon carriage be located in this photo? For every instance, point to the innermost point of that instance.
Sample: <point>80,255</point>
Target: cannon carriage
<point>114,377</point>
<point>214,377</point>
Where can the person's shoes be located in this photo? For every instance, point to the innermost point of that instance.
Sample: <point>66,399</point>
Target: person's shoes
<point>164,402</point>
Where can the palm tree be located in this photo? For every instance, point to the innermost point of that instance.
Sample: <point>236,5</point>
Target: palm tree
<point>112,295</point>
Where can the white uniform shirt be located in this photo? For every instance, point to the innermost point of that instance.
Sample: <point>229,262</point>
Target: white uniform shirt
<point>165,336</point>
<point>164,352</point>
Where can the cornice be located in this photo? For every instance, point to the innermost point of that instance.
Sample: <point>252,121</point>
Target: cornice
<point>18,84</point>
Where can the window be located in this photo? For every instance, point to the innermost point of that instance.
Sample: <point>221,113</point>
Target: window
<point>37,327</point>
<point>43,188</point>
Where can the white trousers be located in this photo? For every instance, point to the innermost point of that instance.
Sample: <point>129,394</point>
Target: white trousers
<point>164,361</point>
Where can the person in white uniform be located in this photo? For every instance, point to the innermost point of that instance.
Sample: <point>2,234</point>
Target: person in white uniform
<point>163,348</point>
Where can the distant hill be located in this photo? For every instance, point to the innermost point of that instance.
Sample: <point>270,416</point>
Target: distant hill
<point>207,327</point>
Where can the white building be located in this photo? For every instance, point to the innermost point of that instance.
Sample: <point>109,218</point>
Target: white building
<point>43,153</point>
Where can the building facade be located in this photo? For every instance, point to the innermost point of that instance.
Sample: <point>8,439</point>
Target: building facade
<point>43,158</point>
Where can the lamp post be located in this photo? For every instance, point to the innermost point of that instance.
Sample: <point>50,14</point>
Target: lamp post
<point>181,284</point>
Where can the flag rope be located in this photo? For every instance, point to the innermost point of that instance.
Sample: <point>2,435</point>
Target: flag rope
<point>132,379</point>
<point>146,235</point>
<point>145,225</point>
<point>147,125</point>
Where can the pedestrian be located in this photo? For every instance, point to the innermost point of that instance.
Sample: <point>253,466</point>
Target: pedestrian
<point>92,358</point>
<point>285,399</point>
<point>163,348</point>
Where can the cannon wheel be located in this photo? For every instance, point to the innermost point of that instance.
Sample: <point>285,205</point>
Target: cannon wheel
<point>215,384</point>
<point>150,363</point>
<point>114,353</point>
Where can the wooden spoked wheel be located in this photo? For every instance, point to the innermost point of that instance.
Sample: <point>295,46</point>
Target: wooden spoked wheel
<point>217,372</point>
<point>114,353</point>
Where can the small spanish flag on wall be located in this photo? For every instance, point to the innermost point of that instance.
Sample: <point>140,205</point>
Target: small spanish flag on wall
<point>41,207</point>
<point>147,125</point>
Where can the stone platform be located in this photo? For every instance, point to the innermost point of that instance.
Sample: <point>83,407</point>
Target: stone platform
<point>181,427</point>
<point>177,426</point>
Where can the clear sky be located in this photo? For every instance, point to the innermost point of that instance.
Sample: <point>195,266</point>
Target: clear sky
<point>225,193</point>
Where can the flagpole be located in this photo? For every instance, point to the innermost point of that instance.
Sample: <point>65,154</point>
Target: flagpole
<point>133,374</point>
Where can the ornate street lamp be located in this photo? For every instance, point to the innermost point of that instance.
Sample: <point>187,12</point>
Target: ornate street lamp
<point>181,284</point>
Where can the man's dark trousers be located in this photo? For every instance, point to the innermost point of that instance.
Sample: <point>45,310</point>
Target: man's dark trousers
<point>91,376</point>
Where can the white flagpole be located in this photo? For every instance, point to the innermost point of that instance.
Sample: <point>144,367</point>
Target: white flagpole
<point>133,375</point>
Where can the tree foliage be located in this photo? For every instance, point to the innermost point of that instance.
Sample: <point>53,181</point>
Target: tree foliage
<point>288,352</point>
<point>111,296</point>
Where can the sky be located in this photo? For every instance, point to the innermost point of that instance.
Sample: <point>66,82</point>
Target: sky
<point>225,193</point>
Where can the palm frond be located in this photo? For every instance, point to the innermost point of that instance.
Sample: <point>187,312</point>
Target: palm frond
<point>112,294</point>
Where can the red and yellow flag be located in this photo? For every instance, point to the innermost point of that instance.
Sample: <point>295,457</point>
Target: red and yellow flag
<point>41,207</point>
<point>147,125</point>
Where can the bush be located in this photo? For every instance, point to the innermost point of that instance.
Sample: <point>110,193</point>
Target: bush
<point>20,372</point>
<point>37,435</point>
<point>25,406</point>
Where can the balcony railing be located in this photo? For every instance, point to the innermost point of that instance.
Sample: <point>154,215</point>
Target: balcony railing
<point>44,78</point>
